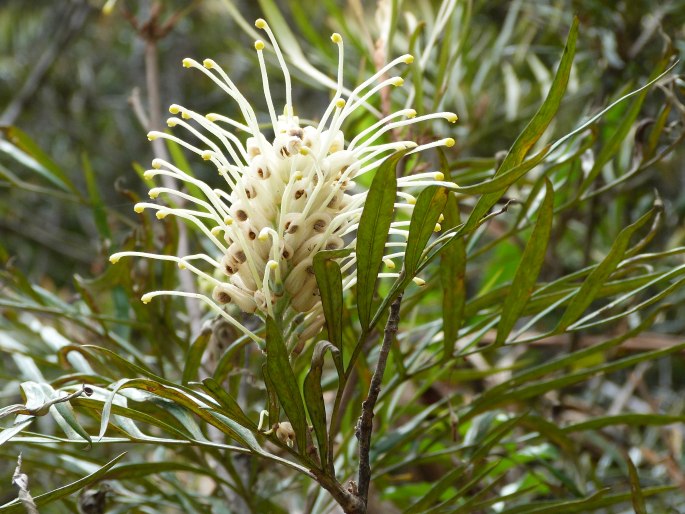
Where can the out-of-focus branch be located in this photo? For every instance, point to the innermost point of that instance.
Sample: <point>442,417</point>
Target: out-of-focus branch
<point>152,31</point>
<point>72,19</point>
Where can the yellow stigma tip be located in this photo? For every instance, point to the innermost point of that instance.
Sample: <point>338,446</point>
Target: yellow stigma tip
<point>449,142</point>
<point>114,259</point>
<point>411,113</point>
<point>260,23</point>
<point>138,208</point>
<point>208,63</point>
<point>181,265</point>
<point>298,175</point>
<point>419,281</point>
<point>441,218</point>
<point>156,163</point>
<point>408,59</point>
<point>161,215</point>
<point>272,264</point>
<point>215,231</point>
<point>174,109</point>
<point>228,221</point>
<point>389,263</point>
<point>411,200</point>
<point>340,103</point>
<point>146,298</point>
<point>151,137</point>
<point>439,176</point>
<point>437,228</point>
<point>336,38</point>
<point>206,155</point>
<point>211,116</point>
<point>187,63</point>
<point>259,45</point>
<point>452,118</point>
<point>153,193</point>
<point>304,151</point>
<point>397,81</point>
<point>171,122</point>
<point>185,115</point>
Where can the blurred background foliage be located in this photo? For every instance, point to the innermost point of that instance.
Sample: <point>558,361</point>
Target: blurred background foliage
<point>71,81</point>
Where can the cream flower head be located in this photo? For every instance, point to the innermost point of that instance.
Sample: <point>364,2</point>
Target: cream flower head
<point>287,197</point>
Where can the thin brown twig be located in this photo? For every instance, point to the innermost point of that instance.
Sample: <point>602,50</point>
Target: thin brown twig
<point>365,423</point>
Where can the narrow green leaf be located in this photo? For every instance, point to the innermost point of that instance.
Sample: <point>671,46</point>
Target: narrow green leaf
<point>42,164</point>
<point>528,269</point>
<point>596,501</point>
<point>636,495</point>
<point>40,399</point>
<point>452,271</point>
<point>8,433</point>
<point>194,356</point>
<point>63,413</point>
<point>202,408</point>
<point>436,490</point>
<point>273,405</point>
<point>501,181</point>
<point>95,199</point>
<point>636,420</point>
<point>536,127</point>
<point>656,131</point>
<point>16,507</point>
<point>228,403</point>
<point>372,233</point>
<point>313,397</point>
<point>453,281</point>
<point>285,383</point>
<point>559,363</point>
<point>329,280</point>
<point>142,470</point>
<point>429,206</point>
<point>556,384</point>
<point>618,135</point>
<point>596,279</point>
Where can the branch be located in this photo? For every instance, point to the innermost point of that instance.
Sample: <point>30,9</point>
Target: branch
<point>68,26</point>
<point>365,423</point>
<point>151,33</point>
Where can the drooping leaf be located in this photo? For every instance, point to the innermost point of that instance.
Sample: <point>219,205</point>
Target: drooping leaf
<point>16,507</point>
<point>329,280</point>
<point>228,402</point>
<point>313,397</point>
<point>284,381</point>
<point>429,206</point>
<point>536,127</point>
<point>528,269</point>
<point>194,355</point>
<point>95,199</point>
<point>372,233</point>
<point>595,280</point>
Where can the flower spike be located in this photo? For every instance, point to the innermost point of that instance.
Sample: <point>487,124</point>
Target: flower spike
<point>289,195</point>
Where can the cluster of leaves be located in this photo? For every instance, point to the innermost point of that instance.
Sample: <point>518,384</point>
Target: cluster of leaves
<point>526,376</point>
